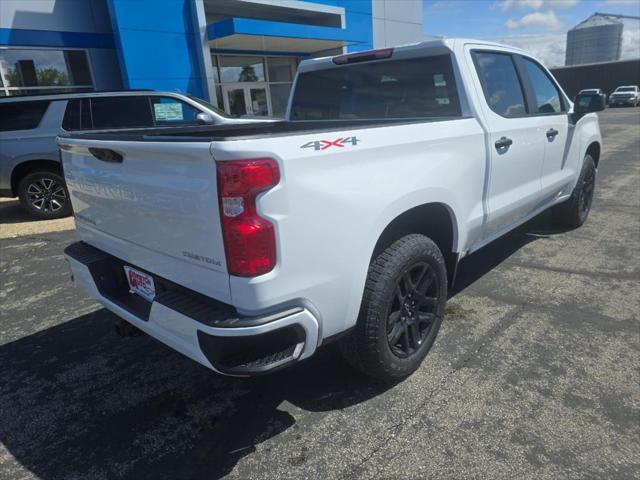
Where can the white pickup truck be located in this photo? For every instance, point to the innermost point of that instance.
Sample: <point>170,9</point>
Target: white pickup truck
<point>247,247</point>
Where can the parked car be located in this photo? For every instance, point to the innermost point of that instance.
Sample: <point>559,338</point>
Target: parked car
<point>247,247</point>
<point>625,95</point>
<point>29,160</point>
<point>593,91</point>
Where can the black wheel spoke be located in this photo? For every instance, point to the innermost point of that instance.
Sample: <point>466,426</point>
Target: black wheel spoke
<point>394,335</point>
<point>414,332</point>
<point>407,283</point>
<point>399,295</point>
<point>405,339</point>
<point>423,301</point>
<point>412,309</point>
<point>426,280</point>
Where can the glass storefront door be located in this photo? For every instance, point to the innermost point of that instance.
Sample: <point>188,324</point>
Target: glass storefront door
<point>246,100</point>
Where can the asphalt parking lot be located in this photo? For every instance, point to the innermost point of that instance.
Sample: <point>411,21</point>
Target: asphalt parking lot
<point>535,373</point>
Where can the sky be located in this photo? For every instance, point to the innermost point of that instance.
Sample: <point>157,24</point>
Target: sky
<point>539,26</point>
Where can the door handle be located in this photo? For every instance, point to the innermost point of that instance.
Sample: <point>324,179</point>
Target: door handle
<point>551,133</point>
<point>503,142</point>
<point>106,155</point>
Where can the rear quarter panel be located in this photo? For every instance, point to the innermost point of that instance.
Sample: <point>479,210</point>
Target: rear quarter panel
<point>332,205</point>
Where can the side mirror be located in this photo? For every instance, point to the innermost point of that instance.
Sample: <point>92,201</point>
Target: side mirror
<point>588,102</point>
<point>204,118</point>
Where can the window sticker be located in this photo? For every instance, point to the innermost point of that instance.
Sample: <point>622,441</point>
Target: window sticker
<point>168,112</point>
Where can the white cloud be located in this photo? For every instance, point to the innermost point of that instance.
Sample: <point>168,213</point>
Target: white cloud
<point>546,19</point>
<point>549,48</point>
<point>620,2</point>
<point>506,5</point>
<point>630,38</point>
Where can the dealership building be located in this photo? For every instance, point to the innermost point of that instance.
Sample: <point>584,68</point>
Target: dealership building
<point>241,55</point>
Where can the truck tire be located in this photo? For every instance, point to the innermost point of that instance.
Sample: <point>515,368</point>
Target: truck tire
<point>574,212</point>
<point>402,309</point>
<point>43,195</point>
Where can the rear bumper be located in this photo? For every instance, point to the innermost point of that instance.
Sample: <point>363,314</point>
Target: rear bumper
<point>205,330</point>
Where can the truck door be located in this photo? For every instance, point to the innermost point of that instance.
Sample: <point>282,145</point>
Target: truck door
<point>516,140</point>
<point>547,102</point>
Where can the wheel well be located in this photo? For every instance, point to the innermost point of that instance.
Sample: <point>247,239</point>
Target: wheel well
<point>594,151</point>
<point>433,220</point>
<point>25,168</point>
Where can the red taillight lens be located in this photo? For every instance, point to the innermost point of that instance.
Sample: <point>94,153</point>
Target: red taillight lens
<point>249,239</point>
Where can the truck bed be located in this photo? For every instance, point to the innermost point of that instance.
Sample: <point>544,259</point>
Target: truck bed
<point>209,133</point>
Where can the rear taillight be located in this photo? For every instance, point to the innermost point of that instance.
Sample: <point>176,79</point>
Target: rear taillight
<point>249,239</point>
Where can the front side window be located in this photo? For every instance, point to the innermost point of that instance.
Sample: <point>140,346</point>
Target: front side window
<point>500,83</point>
<point>169,111</point>
<point>27,71</point>
<point>121,112</point>
<point>410,88</point>
<point>21,115</point>
<point>545,92</point>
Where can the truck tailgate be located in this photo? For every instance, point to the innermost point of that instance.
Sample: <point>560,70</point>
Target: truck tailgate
<point>155,203</point>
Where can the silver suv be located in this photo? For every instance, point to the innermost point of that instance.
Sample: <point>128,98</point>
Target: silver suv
<point>29,160</point>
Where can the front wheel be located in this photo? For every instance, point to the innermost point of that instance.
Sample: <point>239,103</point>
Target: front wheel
<point>402,309</point>
<point>574,212</point>
<point>43,194</point>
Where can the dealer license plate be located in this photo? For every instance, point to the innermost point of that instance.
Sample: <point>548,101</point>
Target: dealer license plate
<point>140,283</point>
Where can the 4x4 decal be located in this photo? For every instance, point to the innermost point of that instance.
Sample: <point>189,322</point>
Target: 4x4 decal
<point>324,144</point>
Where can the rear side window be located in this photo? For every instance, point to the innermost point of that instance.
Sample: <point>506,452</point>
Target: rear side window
<point>77,116</point>
<point>71,120</point>
<point>171,111</point>
<point>545,92</point>
<point>21,115</point>
<point>500,83</point>
<point>411,88</point>
<point>121,112</point>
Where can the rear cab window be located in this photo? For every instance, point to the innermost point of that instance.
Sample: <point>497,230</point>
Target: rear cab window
<point>413,88</point>
<point>22,115</point>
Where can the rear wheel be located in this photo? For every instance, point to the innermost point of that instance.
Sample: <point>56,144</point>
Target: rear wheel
<point>43,194</point>
<point>574,212</point>
<point>402,309</point>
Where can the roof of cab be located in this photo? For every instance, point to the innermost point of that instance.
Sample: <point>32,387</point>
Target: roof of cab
<point>103,93</point>
<point>430,43</point>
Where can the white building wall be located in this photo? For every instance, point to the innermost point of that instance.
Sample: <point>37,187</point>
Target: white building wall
<point>397,22</point>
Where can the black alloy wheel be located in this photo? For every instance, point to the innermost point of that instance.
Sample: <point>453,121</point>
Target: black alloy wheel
<point>413,310</point>
<point>402,308</point>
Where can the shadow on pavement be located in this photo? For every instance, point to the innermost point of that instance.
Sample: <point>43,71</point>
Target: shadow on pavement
<point>481,262</point>
<point>77,401</point>
<point>12,212</point>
